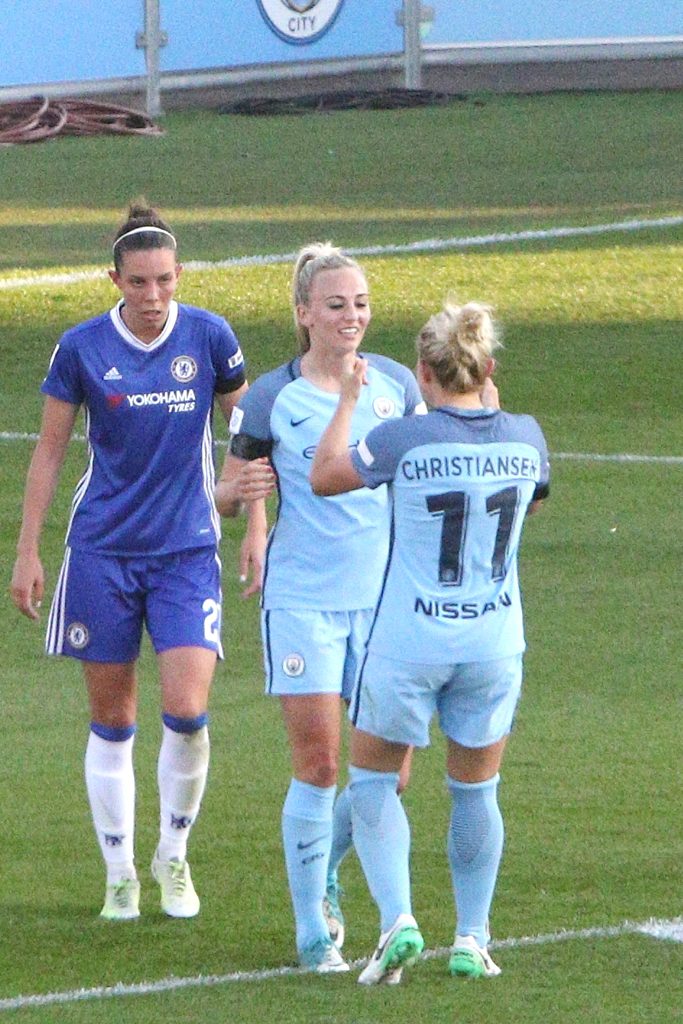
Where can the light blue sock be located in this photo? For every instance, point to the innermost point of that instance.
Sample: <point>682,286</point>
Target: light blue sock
<point>342,832</point>
<point>475,846</point>
<point>306,835</point>
<point>381,835</point>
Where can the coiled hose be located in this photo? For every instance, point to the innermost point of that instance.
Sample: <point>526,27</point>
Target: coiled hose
<point>40,118</point>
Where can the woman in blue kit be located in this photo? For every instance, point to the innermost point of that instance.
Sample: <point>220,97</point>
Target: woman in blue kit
<point>448,635</point>
<point>323,567</point>
<point>142,542</point>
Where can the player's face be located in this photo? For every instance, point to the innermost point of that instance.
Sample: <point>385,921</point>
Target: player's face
<point>147,280</point>
<point>338,310</point>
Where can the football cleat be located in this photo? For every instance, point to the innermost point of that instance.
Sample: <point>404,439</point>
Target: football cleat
<point>398,948</point>
<point>332,912</point>
<point>178,896</point>
<point>470,960</point>
<point>323,957</point>
<point>122,901</point>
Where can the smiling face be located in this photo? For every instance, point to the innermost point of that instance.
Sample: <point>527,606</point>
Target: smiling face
<point>147,280</point>
<point>338,310</point>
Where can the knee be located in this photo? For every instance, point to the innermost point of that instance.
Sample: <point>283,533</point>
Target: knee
<point>318,766</point>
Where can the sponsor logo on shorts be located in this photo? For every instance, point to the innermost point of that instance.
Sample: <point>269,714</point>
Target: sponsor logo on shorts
<point>184,368</point>
<point>77,635</point>
<point>384,408</point>
<point>293,665</point>
<point>300,21</point>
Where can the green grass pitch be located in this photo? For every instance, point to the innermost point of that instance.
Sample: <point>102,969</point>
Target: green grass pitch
<point>590,792</point>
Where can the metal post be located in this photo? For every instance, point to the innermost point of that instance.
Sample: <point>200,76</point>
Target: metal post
<point>412,16</point>
<point>412,43</point>
<point>151,40</point>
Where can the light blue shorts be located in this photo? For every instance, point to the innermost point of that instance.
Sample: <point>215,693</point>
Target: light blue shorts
<point>313,652</point>
<point>475,702</point>
<point>102,603</point>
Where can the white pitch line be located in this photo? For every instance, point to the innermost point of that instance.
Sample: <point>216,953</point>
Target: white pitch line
<point>667,460</point>
<point>671,930</point>
<point>423,245</point>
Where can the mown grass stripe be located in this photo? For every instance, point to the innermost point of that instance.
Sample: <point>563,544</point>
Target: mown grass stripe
<point>658,929</point>
<point>424,245</point>
<point>668,460</point>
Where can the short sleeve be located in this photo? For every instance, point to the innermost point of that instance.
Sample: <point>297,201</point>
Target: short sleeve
<point>63,380</point>
<point>228,359</point>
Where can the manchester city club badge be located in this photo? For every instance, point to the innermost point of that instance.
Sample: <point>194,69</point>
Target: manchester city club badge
<point>300,21</point>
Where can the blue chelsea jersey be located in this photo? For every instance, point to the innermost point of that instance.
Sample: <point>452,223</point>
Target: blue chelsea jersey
<point>461,482</point>
<point>148,485</point>
<point>326,554</point>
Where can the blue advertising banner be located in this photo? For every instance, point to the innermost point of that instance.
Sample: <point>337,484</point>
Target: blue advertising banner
<point>503,21</point>
<point>79,40</point>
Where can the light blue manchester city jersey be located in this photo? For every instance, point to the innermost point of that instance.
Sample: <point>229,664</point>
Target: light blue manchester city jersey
<point>148,485</point>
<point>326,554</point>
<point>461,482</point>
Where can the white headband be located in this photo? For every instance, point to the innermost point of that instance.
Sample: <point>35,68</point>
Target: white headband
<point>147,227</point>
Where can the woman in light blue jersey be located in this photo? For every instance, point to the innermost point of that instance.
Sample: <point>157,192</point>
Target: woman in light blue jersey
<point>141,546</point>
<point>323,568</point>
<point>448,635</point>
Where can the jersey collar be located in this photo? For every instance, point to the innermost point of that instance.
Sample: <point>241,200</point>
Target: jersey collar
<point>467,414</point>
<point>130,338</point>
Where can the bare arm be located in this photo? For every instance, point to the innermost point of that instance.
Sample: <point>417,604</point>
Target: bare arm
<point>246,485</point>
<point>243,484</point>
<point>332,471</point>
<point>28,579</point>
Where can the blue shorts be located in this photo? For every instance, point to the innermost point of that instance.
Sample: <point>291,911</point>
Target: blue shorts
<point>313,652</point>
<point>475,702</point>
<point>102,603</point>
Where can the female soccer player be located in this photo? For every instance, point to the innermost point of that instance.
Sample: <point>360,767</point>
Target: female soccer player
<point>324,561</point>
<point>141,546</point>
<point>448,633</point>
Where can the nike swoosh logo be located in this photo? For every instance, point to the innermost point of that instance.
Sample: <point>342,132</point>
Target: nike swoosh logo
<point>297,423</point>
<point>304,846</point>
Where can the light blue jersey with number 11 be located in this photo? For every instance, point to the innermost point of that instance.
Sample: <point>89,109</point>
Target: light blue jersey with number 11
<point>461,482</point>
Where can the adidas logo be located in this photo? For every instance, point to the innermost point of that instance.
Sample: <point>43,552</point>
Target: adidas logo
<point>112,374</point>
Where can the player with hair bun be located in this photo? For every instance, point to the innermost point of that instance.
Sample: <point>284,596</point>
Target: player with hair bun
<point>142,542</point>
<point>448,634</point>
<point>323,569</point>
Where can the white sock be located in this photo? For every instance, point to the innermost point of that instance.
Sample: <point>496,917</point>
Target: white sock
<point>181,773</point>
<point>110,782</point>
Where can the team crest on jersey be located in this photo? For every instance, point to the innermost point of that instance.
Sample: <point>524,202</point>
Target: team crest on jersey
<point>384,408</point>
<point>77,635</point>
<point>293,665</point>
<point>184,368</point>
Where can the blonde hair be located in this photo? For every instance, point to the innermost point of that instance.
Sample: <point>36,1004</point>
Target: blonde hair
<point>310,261</point>
<point>457,344</point>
